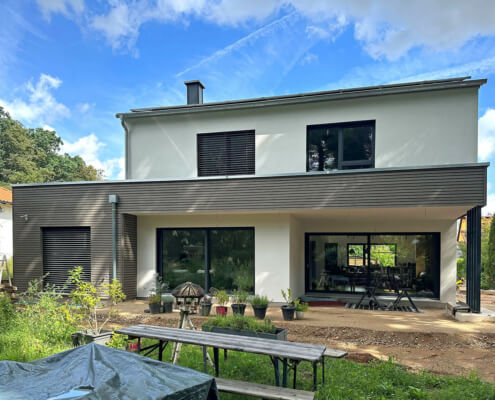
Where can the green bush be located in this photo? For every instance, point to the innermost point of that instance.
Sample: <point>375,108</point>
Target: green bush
<point>242,323</point>
<point>260,301</point>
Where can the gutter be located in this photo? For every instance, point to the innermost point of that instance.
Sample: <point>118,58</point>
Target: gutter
<point>126,146</point>
<point>287,175</point>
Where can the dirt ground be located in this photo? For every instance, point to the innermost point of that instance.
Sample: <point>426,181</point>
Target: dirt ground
<point>430,340</point>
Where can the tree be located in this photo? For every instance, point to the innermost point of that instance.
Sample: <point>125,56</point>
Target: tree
<point>489,265</point>
<point>33,155</point>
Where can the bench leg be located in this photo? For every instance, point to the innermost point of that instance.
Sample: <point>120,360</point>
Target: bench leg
<point>284,372</point>
<point>225,354</point>
<point>204,359</point>
<point>216,360</point>
<point>276,369</point>
<point>323,370</point>
<point>294,367</point>
<point>315,376</point>
<point>139,345</point>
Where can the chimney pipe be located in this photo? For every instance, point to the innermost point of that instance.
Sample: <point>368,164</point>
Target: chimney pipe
<point>194,92</point>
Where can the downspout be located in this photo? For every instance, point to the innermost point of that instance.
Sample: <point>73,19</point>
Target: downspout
<point>114,199</point>
<point>126,146</point>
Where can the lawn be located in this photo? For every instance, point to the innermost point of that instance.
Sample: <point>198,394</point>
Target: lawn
<point>43,326</point>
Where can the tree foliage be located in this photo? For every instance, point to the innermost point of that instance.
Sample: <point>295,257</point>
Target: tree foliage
<point>489,265</point>
<point>33,156</point>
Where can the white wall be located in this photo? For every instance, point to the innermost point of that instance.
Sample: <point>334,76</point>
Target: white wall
<point>411,130</point>
<point>279,243</point>
<point>271,244</point>
<point>370,224</point>
<point>6,230</point>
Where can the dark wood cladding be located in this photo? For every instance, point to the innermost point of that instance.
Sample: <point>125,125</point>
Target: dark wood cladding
<point>87,205</point>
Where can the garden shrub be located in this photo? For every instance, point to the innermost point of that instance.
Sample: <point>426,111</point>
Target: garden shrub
<point>242,323</point>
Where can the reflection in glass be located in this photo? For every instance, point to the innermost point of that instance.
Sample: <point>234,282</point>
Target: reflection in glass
<point>374,260</point>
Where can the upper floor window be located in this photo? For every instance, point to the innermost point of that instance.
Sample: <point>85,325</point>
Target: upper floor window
<point>340,146</point>
<point>226,153</point>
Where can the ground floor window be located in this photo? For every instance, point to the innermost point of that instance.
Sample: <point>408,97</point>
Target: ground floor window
<point>350,262</point>
<point>222,258</point>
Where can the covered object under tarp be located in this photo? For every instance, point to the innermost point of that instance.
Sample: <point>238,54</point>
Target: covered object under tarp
<point>98,372</point>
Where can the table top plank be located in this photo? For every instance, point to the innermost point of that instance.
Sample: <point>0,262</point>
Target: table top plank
<point>276,348</point>
<point>262,391</point>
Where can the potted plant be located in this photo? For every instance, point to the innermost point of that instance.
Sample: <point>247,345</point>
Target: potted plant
<point>288,309</point>
<point>86,296</point>
<point>167,302</point>
<point>242,325</point>
<point>301,307</point>
<point>205,306</point>
<point>155,303</point>
<point>259,304</point>
<point>239,301</point>
<point>222,300</point>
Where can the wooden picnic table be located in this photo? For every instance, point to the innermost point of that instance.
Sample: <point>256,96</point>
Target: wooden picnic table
<point>290,354</point>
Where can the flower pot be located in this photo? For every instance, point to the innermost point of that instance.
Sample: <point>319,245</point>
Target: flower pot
<point>81,338</point>
<point>205,309</point>
<point>288,312</point>
<point>221,310</point>
<point>299,314</point>
<point>155,308</point>
<point>238,308</point>
<point>259,312</point>
<point>168,307</point>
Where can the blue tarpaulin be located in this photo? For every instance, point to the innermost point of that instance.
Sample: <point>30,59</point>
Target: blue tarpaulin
<point>98,372</point>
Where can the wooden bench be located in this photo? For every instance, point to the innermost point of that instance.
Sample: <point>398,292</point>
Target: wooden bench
<point>330,353</point>
<point>262,391</point>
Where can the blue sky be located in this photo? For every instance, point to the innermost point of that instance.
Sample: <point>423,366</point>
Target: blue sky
<point>70,65</point>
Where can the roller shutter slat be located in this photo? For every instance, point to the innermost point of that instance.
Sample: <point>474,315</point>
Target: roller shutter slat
<point>64,249</point>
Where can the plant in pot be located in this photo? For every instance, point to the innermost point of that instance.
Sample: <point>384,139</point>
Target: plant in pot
<point>155,303</point>
<point>301,307</point>
<point>259,304</point>
<point>239,301</point>
<point>205,306</point>
<point>288,309</point>
<point>88,297</point>
<point>222,300</point>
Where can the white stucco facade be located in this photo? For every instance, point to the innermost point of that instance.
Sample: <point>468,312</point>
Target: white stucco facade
<point>411,130</point>
<point>280,238</point>
<point>6,241</point>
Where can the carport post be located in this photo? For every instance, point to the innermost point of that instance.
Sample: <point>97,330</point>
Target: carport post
<point>473,264</point>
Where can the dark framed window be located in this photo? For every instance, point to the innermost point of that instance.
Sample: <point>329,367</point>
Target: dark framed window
<point>226,153</point>
<point>347,145</point>
<point>222,258</point>
<point>373,259</point>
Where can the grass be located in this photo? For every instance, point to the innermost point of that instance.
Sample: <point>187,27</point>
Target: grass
<point>344,379</point>
<point>43,326</point>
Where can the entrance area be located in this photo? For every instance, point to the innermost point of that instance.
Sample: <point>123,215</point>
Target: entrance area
<point>348,263</point>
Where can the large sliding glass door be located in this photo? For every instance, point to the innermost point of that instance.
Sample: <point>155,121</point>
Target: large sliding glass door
<point>350,262</point>
<point>210,257</point>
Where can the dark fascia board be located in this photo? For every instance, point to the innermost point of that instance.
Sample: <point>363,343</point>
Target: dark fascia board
<point>288,175</point>
<point>340,94</point>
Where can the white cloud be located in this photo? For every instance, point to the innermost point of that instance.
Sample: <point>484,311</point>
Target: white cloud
<point>386,29</point>
<point>41,106</point>
<point>89,148</point>
<point>486,135</point>
<point>48,128</point>
<point>65,7</point>
<point>308,59</point>
<point>83,107</point>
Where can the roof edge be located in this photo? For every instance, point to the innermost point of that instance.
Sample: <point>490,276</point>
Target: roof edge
<point>234,177</point>
<point>339,94</point>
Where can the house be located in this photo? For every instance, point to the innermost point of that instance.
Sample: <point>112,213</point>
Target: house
<point>325,193</point>
<point>5,223</point>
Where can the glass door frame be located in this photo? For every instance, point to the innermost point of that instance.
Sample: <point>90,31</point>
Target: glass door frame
<point>367,250</point>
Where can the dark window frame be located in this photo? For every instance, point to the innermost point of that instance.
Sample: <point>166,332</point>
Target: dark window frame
<point>341,164</point>
<point>207,261</point>
<point>228,158</point>
<point>368,235</point>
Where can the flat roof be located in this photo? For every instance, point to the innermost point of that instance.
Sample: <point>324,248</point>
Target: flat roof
<point>267,176</point>
<point>338,94</point>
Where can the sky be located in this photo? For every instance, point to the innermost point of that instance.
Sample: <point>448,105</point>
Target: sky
<point>71,65</point>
